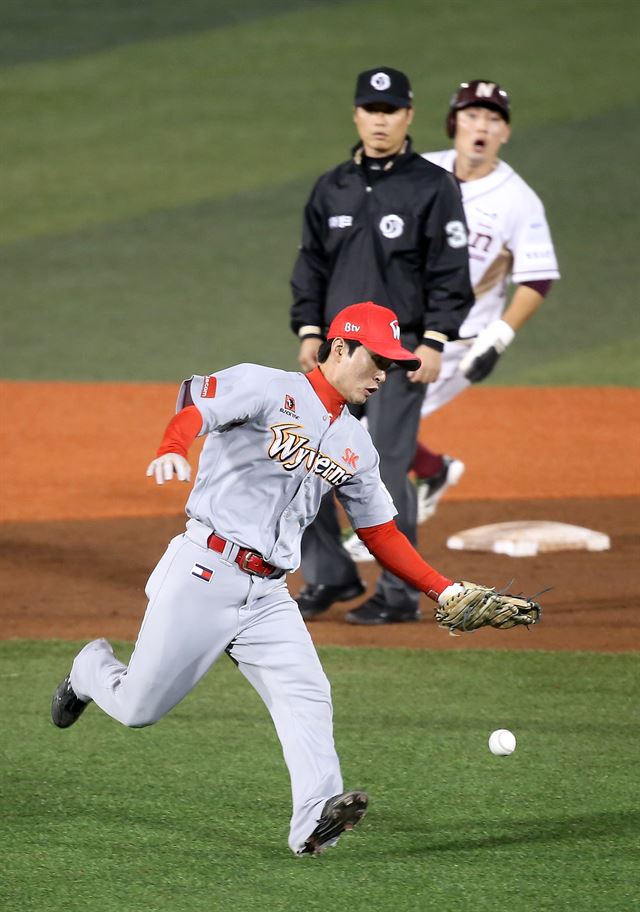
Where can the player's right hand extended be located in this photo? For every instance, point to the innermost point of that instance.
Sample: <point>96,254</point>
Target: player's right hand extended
<point>166,466</point>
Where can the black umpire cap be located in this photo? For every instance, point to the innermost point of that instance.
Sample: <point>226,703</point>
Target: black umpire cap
<point>383,84</point>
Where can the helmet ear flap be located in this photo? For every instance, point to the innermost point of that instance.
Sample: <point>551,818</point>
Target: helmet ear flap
<point>450,124</point>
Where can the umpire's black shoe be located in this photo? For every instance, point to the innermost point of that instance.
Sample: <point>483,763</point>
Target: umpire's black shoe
<point>376,611</point>
<point>66,707</point>
<point>314,599</point>
<point>340,813</point>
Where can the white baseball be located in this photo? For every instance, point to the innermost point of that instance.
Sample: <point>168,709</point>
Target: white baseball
<point>502,742</point>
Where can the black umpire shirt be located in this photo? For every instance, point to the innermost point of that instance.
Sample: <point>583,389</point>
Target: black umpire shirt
<point>398,238</point>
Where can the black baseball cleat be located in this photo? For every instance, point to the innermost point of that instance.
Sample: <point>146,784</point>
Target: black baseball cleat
<point>66,707</point>
<point>375,611</point>
<point>340,813</point>
<point>314,599</point>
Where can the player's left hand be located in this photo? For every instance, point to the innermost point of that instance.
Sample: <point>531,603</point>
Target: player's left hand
<point>431,365</point>
<point>465,606</point>
<point>483,355</point>
<point>166,466</point>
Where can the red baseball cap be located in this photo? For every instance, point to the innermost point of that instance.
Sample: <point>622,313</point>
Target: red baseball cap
<point>376,328</point>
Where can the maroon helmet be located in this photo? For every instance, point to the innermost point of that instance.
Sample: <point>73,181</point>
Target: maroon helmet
<point>480,92</point>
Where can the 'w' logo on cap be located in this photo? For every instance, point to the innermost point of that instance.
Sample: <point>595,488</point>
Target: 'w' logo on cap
<point>395,329</point>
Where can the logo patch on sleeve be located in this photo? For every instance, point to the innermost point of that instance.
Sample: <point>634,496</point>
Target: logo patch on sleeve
<point>209,385</point>
<point>203,573</point>
<point>350,458</point>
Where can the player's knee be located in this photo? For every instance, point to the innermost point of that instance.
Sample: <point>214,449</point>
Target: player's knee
<point>319,689</point>
<point>139,722</point>
<point>138,716</point>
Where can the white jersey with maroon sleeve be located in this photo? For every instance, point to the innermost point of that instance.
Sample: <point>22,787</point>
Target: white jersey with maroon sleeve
<point>270,455</point>
<point>509,238</point>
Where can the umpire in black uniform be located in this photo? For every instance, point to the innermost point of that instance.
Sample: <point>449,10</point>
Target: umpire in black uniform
<point>386,226</point>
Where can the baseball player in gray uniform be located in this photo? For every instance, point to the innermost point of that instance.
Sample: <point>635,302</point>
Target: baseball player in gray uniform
<point>276,442</point>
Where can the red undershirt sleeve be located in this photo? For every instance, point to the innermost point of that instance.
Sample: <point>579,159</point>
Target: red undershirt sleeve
<point>181,431</point>
<point>396,554</point>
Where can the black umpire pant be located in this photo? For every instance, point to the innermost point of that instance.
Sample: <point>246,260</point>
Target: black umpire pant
<point>393,418</point>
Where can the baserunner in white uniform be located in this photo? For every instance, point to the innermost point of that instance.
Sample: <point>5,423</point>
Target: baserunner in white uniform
<point>509,242</point>
<point>276,442</point>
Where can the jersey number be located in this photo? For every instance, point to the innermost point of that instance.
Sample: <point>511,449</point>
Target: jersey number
<point>456,234</point>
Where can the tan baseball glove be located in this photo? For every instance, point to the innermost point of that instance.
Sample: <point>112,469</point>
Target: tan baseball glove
<point>464,607</point>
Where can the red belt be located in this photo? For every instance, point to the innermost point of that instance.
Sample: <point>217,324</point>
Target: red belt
<point>247,560</point>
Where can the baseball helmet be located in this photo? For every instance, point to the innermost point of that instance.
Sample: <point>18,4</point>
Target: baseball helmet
<point>479,92</point>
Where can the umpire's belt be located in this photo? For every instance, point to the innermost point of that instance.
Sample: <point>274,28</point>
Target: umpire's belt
<point>247,560</point>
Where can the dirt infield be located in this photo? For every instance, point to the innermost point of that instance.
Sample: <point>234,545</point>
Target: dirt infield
<point>82,527</point>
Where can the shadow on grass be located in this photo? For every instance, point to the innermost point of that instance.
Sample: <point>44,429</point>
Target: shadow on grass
<point>548,830</point>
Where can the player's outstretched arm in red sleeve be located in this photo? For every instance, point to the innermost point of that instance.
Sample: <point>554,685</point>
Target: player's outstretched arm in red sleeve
<point>396,554</point>
<point>171,455</point>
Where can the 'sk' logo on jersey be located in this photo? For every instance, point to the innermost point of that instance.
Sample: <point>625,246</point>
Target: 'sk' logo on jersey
<point>290,403</point>
<point>350,458</point>
<point>294,450</point>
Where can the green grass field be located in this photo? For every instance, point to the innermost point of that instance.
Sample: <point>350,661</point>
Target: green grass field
<point>156,160</point>
<point>192,814</point>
